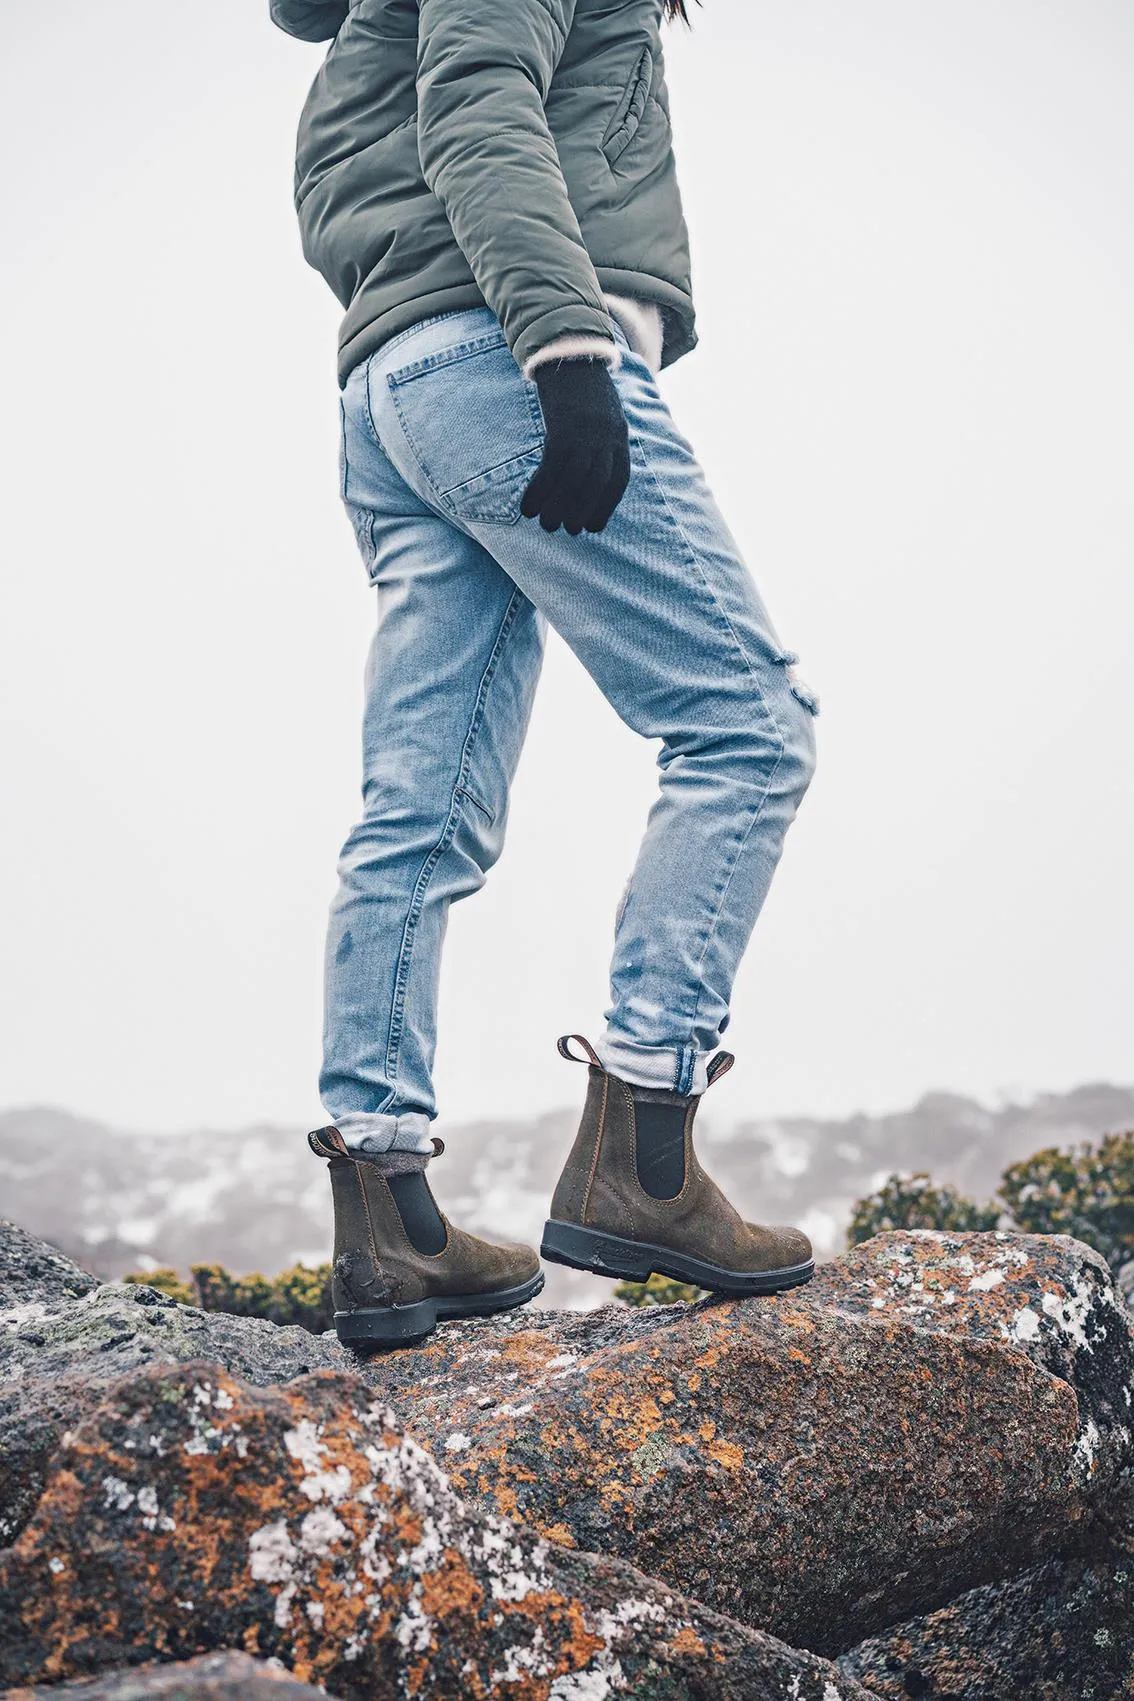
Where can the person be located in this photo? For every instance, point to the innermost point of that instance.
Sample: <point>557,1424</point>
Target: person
<point>490,189</point>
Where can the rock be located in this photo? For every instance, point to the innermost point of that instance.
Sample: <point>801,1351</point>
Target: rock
<point>1063,1631</point>
<point>59,1354</point>
<point>932,1412</point>
<point>211,1677</point>
<point>194,1512</point>
<point>1047,1296</point>
<point>34,1275</point>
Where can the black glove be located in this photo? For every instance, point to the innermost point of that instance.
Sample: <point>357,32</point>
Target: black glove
<point>586,456</point>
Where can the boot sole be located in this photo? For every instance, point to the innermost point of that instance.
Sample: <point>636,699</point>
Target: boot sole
<point>635,1260</point>
<point>402,1325</point>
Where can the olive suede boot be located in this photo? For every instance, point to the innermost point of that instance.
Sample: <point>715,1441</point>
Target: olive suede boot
<point>633,1199</point>
<point>400,1267</point>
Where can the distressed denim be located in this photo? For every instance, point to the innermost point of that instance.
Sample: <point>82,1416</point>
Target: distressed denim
<point>440,435</point>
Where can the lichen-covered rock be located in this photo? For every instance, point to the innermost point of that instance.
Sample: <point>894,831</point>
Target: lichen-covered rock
<point>61,1348</point>
<point>210,1677</point>
<point>1063,1631</point>
<point>34,1275</point>
<point>192,1512</point>
<point>1047,1296</point>
<point>932,1412</point>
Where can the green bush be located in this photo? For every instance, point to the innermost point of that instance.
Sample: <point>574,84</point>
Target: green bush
<point>165,1281</point>
<point>1086,1191</point>
<point>300,1295</point>
<point>657,1290</point>
<point>913,1202</point>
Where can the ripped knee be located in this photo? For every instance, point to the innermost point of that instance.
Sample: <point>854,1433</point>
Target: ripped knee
<point>800,735</point>
<point>798,687</point>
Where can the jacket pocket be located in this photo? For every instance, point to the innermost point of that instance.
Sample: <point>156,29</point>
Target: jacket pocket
<point>474,426</point>
<point>627,114</point>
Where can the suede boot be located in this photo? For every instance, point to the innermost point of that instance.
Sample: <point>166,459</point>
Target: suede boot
<point>399,1266</point>
<point>633,1199</point>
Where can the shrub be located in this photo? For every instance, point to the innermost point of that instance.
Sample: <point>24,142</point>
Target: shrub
<point>165,1281</point>
<point>658,1290</point>
<point>300,1295</point>
<point>1087,1192</point>
<point>914,1202</point>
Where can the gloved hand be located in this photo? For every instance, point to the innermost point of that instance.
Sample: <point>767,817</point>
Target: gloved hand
<point>586,456</point>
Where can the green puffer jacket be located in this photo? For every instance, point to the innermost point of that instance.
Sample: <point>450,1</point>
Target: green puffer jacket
<point>514,152</point>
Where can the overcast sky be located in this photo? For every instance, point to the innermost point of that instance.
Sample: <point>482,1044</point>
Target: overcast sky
<point>914,268</point>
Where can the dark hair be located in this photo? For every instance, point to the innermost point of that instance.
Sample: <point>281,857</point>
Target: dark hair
<point>676,9</point>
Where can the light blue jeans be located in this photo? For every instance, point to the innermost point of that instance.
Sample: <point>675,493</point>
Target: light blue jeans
<point>441,433</point>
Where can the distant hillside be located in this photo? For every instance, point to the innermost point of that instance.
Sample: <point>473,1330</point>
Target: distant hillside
<point>257,1199</point>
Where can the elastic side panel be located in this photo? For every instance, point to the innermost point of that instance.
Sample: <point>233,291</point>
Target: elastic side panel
<point>660,1147</point>
<point>418,1210</point>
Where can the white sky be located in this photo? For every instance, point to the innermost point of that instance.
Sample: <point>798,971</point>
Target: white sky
<point>914,269</point>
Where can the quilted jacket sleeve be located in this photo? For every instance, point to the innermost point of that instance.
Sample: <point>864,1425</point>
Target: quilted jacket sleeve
<point>310,20</point>
<point>484,69</point>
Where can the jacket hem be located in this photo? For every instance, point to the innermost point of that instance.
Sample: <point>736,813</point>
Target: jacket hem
<point>677,313</point>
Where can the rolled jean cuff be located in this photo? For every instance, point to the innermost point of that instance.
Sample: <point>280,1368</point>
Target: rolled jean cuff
<point>373,1133</point>
<point>679,1069</point>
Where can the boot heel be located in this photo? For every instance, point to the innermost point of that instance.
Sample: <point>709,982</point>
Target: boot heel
<point>386,1325</point>
<point>587,1249</point>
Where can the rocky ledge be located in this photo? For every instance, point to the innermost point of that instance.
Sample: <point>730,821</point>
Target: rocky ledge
<point>910,1477</point>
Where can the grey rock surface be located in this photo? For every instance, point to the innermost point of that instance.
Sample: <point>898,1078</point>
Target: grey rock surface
<point>67,1339</point>
<point>225,1676</point>
<point>33,1274</point>
<point>1062,1631</point>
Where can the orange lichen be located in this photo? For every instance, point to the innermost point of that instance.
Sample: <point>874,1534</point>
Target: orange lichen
<point>728,1454</point>
<point>505,1497</point>
<point>557,1533</point>
<point>450,1588</point>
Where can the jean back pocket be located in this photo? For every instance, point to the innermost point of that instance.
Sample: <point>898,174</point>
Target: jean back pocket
<point>473,424</point>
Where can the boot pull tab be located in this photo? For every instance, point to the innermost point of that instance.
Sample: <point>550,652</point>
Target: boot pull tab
<point>327,1143</point>
<point>719,1065</point>
<point>564,1046</point>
